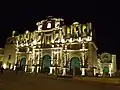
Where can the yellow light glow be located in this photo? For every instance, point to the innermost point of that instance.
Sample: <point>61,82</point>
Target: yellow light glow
<point>49,25</point>
<point>52,41</point>
<point>51,69</point>
<point>37,69</point>
<point>58,37</point>
<point>80,39</point>
<point>26,44</point>
<point>74,28</point>
<point>84,27</point>
<point>89,38</point>
<point>34,42</point>
<point>13,32</point>
<point>68,30</point>
<point>62,40</point>
<point>33,68</point>
<point>27,32</point>
<point>22,45</point>
<point>4,66</point>
<point>83,71</point>
<point>70,40</point>
<point>25,68</point>
<point>64,72</point>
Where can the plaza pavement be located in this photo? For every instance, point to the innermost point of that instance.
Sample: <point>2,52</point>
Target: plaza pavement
<point>11,81</point>
<point>101,80</point>
<point>94,79</point>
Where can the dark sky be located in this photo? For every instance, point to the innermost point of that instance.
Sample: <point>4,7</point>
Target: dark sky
<point>104,16</point>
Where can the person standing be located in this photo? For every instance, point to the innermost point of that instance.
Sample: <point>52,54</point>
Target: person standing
<point>1,69</point>
<point>17,68</point>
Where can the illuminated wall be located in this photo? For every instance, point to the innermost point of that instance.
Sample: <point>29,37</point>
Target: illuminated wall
<point>92,60</point>
<point>56,39</point>
<point>107,60</point>
<point>9,53</point>
<point>114,67</point>
<point>1,56</point>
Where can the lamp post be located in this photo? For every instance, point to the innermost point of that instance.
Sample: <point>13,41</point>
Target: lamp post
<point>13,33</point>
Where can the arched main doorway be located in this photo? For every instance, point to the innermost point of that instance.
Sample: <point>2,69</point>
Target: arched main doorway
<point>75,65</point>
<point>106,71</point>
<point>23,62</point>
<point>46,63</point>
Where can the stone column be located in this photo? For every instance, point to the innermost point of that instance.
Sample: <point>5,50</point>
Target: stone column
<point>52,62</point>
<point>110,68</point>
<point>25,68</point>
<point>57,57</point>
<point>61,58</point>
<point>33,68</point>
<point>83,71</point>
<point>38,69</point>
<point>51,69</point>
<point>83,58</point>
<point>41,59</point>
<point>64,72</point>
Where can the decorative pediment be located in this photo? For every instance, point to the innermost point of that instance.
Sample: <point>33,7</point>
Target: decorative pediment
<point>106,58</point>
<point>48,25</point>
<point>46,46</point>
<point>23,49</point>
<point>74,46</point>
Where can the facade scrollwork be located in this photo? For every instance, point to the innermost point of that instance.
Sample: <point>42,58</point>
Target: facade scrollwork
<point>106,58</point>
<point>57,45</point>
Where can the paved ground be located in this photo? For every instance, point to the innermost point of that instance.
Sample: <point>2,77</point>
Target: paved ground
<point>101,80</point>
<point>10,81</point>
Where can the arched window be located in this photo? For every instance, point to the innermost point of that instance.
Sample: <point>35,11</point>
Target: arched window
<point>49,25</point>
<point>57,24</point>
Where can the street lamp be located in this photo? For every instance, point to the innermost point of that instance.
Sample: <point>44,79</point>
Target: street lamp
<point>13,33</point>
<point>27,32</point>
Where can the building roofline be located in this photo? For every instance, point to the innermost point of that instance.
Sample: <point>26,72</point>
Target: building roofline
<point>2,48</point>
<point>94,45</point>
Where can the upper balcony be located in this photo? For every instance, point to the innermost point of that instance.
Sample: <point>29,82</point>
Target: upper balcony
<point>50,24</point>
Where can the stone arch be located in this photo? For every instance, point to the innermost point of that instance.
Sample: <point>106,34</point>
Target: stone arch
<point>75,62</point>
<point>46,61</point>
<point>71,55</point>
<point>74,55</point>
<point>106,70</point>
<point>23,62</point>
<point>46,52</point>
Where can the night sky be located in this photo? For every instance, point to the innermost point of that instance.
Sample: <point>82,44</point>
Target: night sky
<point>22,16</point>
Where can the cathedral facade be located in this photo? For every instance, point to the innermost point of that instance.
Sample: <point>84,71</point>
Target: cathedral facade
<point>54,47</point>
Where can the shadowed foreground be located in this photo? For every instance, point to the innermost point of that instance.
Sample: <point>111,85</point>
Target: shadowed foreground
<point>10,81</point>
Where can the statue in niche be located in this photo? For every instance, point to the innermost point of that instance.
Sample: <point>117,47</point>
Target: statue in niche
<point>84,31</point>
<point>75,31</point>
